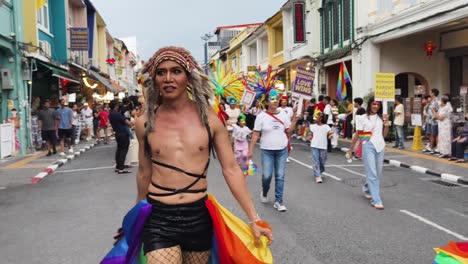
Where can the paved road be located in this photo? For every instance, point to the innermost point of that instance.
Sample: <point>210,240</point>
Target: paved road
<point>70,216</point>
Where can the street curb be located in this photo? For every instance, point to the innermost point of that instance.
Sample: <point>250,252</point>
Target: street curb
<point>59,163</point>
<point>444,176</point>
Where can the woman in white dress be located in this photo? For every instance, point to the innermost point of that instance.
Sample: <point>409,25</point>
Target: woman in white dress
<point>132,155</point>
<point>445,127</point>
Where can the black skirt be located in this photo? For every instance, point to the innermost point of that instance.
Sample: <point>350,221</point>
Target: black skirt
<point>186,225</point>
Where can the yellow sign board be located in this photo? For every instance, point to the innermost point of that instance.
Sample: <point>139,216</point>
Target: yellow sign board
<point>384,86</point>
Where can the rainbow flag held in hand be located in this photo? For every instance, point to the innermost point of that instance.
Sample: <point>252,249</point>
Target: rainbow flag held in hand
<point>233,240</point>
<point>453,253</point>
<point>343,78</point>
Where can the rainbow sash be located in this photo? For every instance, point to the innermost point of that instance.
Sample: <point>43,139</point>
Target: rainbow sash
<point>233,240</point>
<point>453,253</point>
<point>365,136</point>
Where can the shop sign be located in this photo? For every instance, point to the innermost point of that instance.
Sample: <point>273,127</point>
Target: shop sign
<point>79,39</point>
<point>384,86</point>
<point>299,31</point>
<point>304,82</point>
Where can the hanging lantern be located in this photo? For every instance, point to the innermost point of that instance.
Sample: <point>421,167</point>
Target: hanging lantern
<point>429,47</point>
<point>110,61</point>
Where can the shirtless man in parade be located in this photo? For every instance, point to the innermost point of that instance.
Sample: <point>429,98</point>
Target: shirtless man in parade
<point>177,136</point>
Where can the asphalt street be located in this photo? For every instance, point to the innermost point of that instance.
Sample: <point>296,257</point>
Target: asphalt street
<point>71,216</point>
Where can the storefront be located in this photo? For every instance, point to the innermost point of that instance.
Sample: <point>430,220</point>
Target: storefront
<point>51,82</point>
<point>330,74</point>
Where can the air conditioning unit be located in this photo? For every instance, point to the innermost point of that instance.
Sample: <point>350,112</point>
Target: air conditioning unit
<point>45,47</point>
<point>7,79</point>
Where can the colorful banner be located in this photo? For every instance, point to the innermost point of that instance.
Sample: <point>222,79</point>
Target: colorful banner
<point>304,82</point>
<point>384,86</point>
<point>79,39</point>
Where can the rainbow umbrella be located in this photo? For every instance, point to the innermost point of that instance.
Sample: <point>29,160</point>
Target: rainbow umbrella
<point>453,253</point>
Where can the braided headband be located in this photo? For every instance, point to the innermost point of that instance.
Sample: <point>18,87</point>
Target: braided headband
<point>176,54</point>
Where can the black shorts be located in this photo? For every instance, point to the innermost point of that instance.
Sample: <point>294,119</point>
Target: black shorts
<point>65,133</point>
<point>49,136</point>
<point>186,225</point>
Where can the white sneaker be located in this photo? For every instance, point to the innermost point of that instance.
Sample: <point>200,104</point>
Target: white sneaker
<point>318,179</point>
<point>264,199</point>
<point>279,207</point>
<point>287,160</point>
<point>62,154</point>
<point>70,150</point>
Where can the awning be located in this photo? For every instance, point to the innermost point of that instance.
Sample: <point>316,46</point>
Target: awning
<point>96,76</point>
<point>296,61</point>
<point>335,54</point>
<point>60,73</point>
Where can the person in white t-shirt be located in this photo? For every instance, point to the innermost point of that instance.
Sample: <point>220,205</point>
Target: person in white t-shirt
<point>87,114</point>
<point>284,107</point>
<point>371,129</point>
<point>273,125</point>
<point>319,135</point>
<point>399,121</point>
<point>241,144</point>
<point>233,112</point>
<point>328,112</point>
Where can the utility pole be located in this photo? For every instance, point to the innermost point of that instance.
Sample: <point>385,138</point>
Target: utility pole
<point>206,38</point>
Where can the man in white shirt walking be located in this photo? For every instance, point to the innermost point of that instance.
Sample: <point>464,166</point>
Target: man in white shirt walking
<point>399,121</point>
<point>87,114</point>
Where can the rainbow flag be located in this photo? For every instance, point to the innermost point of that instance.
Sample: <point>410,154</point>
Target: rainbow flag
<point>343,78</point>
<point>453,253</point>
<point>233,240</point>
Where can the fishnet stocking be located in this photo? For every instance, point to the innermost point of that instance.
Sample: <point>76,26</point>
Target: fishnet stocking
<point>192,257</point>
<point>172,255</point>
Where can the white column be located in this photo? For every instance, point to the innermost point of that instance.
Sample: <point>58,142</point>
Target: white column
<point>365,64</point>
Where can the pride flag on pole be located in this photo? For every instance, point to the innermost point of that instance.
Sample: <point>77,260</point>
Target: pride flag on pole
<point>343,78</point>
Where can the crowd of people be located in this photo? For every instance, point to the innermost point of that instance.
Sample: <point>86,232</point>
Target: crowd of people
<point>171,179</point>
<point>70,123</point>
<point>443,140</point>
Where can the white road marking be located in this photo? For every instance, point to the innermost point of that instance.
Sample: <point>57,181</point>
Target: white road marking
<point>331,176</point>
<point>351,171</point>
<point>395,163</point>
<point>350,165</point>
<point>310,167</point>
<point>450,177</point>
<point>456,212</point>
<point>98,168</point>
<point>418,169</point>
<point>441,228</point>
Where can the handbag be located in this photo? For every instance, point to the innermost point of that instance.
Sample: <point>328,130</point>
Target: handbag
<point>285,130</point>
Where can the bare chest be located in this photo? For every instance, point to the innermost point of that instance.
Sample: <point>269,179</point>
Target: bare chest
<point>175,139</point>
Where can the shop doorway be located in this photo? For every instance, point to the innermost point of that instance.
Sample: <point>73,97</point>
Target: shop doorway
<point>411,84</point>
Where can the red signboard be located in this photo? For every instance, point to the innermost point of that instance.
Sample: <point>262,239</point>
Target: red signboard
<point>299,29</point>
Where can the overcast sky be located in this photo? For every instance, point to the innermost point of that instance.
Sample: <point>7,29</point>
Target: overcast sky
<point>158,23</point>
